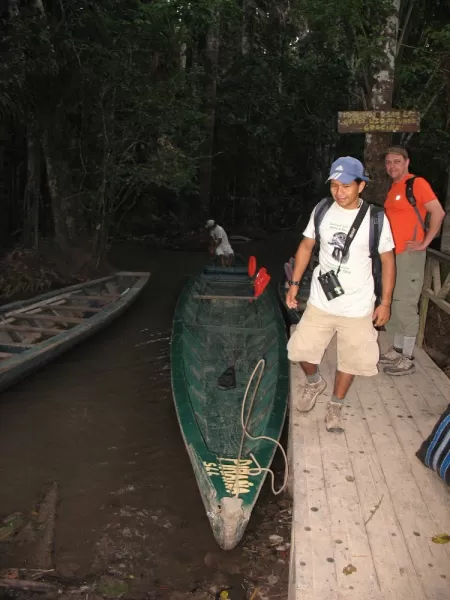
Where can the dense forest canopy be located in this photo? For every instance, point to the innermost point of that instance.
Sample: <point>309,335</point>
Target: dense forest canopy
<point>141,117</point>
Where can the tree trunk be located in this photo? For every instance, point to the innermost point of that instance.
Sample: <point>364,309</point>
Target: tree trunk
<point>38,5</point>
<point>67,210</point>
<point>445,239</point>
<point>381,99</point>
<point>59,218</point>
<point>210,58</point>
<point>375,145</point>
<point>247,7</point>
<point>283,12</point>
<point>32,192</point>
<point>5,184</point>
<point>13,8</point>
<point>183,56</point>
<point>103,220</point>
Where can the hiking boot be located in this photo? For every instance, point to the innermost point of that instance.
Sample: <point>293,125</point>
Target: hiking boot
<point>390,357</point>
<point>310,394</point>
<point>405,366</point>
<point>333,421</point>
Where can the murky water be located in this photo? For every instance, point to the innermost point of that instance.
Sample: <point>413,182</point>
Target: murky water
<point>100,421</point>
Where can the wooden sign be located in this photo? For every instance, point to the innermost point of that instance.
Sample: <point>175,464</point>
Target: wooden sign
<point>378,121</point>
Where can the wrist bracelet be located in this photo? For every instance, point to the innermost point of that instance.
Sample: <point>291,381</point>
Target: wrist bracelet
<point>293,282</point>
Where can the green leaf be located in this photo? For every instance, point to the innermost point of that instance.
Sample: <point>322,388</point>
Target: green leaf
<point>442,538</point>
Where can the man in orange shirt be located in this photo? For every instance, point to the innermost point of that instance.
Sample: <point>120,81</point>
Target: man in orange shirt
<point>411,238</point>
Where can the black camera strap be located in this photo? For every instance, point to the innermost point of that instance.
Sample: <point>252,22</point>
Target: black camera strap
<point>353,231</point>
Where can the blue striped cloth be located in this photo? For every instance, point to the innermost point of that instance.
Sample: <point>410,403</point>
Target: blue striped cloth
<point>435,450</point>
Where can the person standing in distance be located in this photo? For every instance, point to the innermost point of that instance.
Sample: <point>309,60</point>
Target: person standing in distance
<point>348,308</point>
<point>219,244</point>
<point>411,239</point>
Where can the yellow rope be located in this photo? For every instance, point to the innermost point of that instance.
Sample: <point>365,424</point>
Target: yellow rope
<point>245,433</point>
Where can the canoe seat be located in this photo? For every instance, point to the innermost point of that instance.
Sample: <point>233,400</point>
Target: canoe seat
<point>227,329</point>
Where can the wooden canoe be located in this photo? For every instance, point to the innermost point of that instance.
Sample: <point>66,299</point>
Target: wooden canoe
<point>35,331</point>
<point>217,326</point>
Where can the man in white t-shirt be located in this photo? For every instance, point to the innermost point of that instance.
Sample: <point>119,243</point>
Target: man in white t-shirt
<point>220,246</point>
<point>351,315</point>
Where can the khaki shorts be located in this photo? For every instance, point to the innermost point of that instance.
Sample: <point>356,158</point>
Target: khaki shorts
<point>357,347</point>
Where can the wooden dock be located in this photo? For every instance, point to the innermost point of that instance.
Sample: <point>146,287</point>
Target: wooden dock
<point>365,508</point>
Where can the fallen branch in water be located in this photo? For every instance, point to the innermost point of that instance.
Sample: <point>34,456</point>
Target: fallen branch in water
<point>25,584</point>
<point>47,518</point>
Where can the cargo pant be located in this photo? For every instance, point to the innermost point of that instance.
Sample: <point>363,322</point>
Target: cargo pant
<point>408,288</point>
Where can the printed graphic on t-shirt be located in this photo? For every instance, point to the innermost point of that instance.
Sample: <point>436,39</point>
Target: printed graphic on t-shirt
<point>338,243</point>
<point>339,231</point>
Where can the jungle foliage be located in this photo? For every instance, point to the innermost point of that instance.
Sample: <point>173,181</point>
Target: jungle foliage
<point>141,117</point>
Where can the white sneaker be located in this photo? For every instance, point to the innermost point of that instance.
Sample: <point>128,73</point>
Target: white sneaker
<point>404,366</point>
<point>333,417</point>
<point>390,357</point>
<point>310,394</point>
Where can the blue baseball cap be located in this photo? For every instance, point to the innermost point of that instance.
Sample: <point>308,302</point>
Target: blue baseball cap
<point>346,169</point>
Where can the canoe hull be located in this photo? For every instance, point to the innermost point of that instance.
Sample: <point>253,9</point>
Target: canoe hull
<point>22,364</point>
<point>228,476</point>
<point>228,516</point>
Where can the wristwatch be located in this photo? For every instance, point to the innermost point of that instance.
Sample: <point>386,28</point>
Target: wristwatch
<point>290,282</point>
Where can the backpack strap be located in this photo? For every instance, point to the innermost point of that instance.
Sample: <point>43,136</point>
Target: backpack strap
<point>353,231</point>
<point>319,214</point>
<point>376,226</point>
<point>409,191</point>
<point>412,200</point>
<point>375,229</point>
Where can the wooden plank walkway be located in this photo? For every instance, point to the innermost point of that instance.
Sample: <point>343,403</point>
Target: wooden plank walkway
<point>363,502</point>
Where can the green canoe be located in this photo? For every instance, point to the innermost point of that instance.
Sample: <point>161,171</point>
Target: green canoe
<point>220,334</point>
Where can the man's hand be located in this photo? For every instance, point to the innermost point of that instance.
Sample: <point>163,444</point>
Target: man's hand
<point>415,246</point>
<point>381,315</point>
<point>291,297</point>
